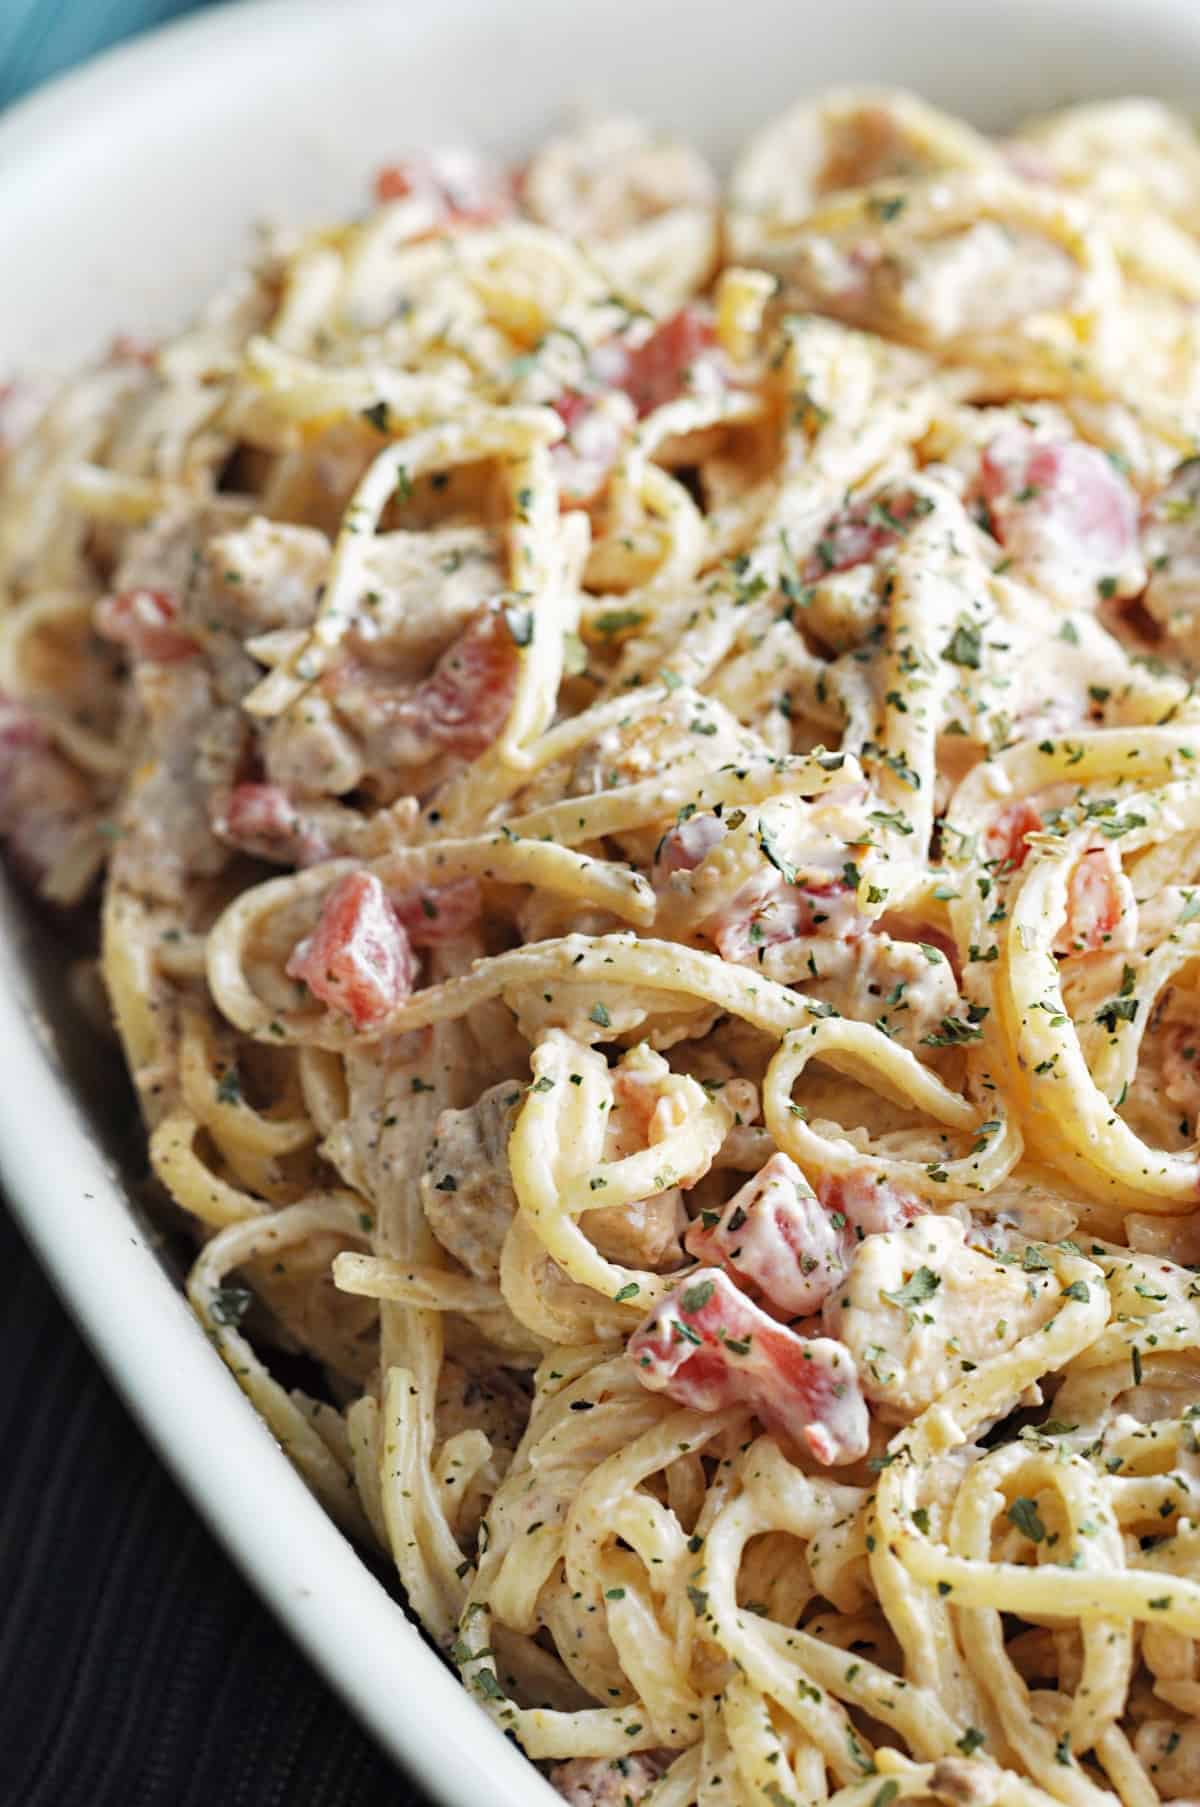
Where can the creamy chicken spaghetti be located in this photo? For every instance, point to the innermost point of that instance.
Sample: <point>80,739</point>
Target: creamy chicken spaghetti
<point>639,751</point>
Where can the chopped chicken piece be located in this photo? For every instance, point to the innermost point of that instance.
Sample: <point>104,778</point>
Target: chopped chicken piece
<point>918,1309</point>
<point>605,1782</point>
<point>468,1195</point>
<point>145,621</point>
<point>869,1203</point>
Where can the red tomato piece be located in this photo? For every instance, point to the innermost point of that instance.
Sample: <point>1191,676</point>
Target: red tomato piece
<point>466,189</point>
<point>708,1346</point>
<point>145,622</point>
<point>656,371</point>
<point>867,1206</point>
<point>262,819</point>
<point>1061,510</point>
<point>1099,904</point>
<point>585,456</point>
<point>358,959</point>
<point>776,1235</point>
<point>463,704</point>
<point>767,911</point>
<point>440,913</point>
<point>858,534</point>
<point>1005,840</point>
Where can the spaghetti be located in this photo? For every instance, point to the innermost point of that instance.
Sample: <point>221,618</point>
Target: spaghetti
<point>641,755</point>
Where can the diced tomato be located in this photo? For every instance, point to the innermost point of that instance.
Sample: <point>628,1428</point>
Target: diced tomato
<point>1101,910</point>
<point>463,704</point>
<point>262,819</point>
<point>585,456</point>
<point>775,1235</point>
<point>867,1205</point>
<point>43,799</point>
<point>856,535</point>
<point>687,845</point>
<point>767,911</point>
<point>656,372</point>
<point>466,188</point>
<point>358,959</point>
<point>708,1346</point>
<point>1061,510</point>
<point>439,913</point>
<point>127,348</point>
<point>395,182</point>
<point>1005,840</point>
<point>144,621</point>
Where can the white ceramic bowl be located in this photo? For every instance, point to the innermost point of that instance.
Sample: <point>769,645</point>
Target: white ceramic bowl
<point>124,192</point>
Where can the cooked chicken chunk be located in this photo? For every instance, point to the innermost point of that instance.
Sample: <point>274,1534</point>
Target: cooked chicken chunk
<point>469,1201</point>
<point>919,1309</point>
<point>599,1782</point>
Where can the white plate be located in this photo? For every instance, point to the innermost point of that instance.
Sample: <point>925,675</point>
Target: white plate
<point>124,192</point>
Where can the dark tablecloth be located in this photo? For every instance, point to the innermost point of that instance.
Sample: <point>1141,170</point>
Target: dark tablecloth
<point>136,1667</point>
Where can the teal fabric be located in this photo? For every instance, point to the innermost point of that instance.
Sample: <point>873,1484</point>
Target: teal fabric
<point>40,38</point>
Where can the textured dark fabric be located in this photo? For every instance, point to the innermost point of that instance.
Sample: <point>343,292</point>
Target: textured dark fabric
<point>136,1667</point>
